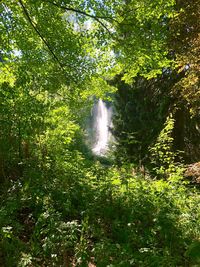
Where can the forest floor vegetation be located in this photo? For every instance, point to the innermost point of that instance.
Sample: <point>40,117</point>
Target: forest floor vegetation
<point>77,212</point>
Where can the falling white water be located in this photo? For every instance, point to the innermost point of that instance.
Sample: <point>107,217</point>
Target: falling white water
<point>102,122</point>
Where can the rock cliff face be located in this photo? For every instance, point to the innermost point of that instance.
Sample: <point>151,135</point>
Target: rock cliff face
<point>193,172</point>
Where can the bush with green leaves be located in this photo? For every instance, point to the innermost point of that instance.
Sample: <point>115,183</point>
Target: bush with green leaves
<point>163,159</point>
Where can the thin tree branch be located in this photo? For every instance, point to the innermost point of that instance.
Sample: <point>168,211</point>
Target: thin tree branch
<point>80,11</point>
<point>97,18</point>
<point>40,35</point>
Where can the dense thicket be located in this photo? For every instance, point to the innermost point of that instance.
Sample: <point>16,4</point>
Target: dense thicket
<point>141,109</point>
<point>62,206</point>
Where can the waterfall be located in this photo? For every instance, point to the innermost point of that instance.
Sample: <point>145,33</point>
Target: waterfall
<point>102,121</point>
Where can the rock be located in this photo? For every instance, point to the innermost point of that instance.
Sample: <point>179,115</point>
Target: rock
<point>193,172</point>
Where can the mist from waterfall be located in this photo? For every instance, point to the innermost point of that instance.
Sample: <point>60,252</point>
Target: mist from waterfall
<point>102,122</point>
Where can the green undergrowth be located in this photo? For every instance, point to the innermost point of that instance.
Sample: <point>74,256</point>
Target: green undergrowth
<point>75,212</point>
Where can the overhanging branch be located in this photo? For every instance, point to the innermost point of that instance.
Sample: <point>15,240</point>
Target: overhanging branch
<point>39,34</point>
<point>97,18</point>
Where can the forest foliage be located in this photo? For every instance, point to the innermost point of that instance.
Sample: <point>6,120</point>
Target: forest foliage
<point>63,206</point>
